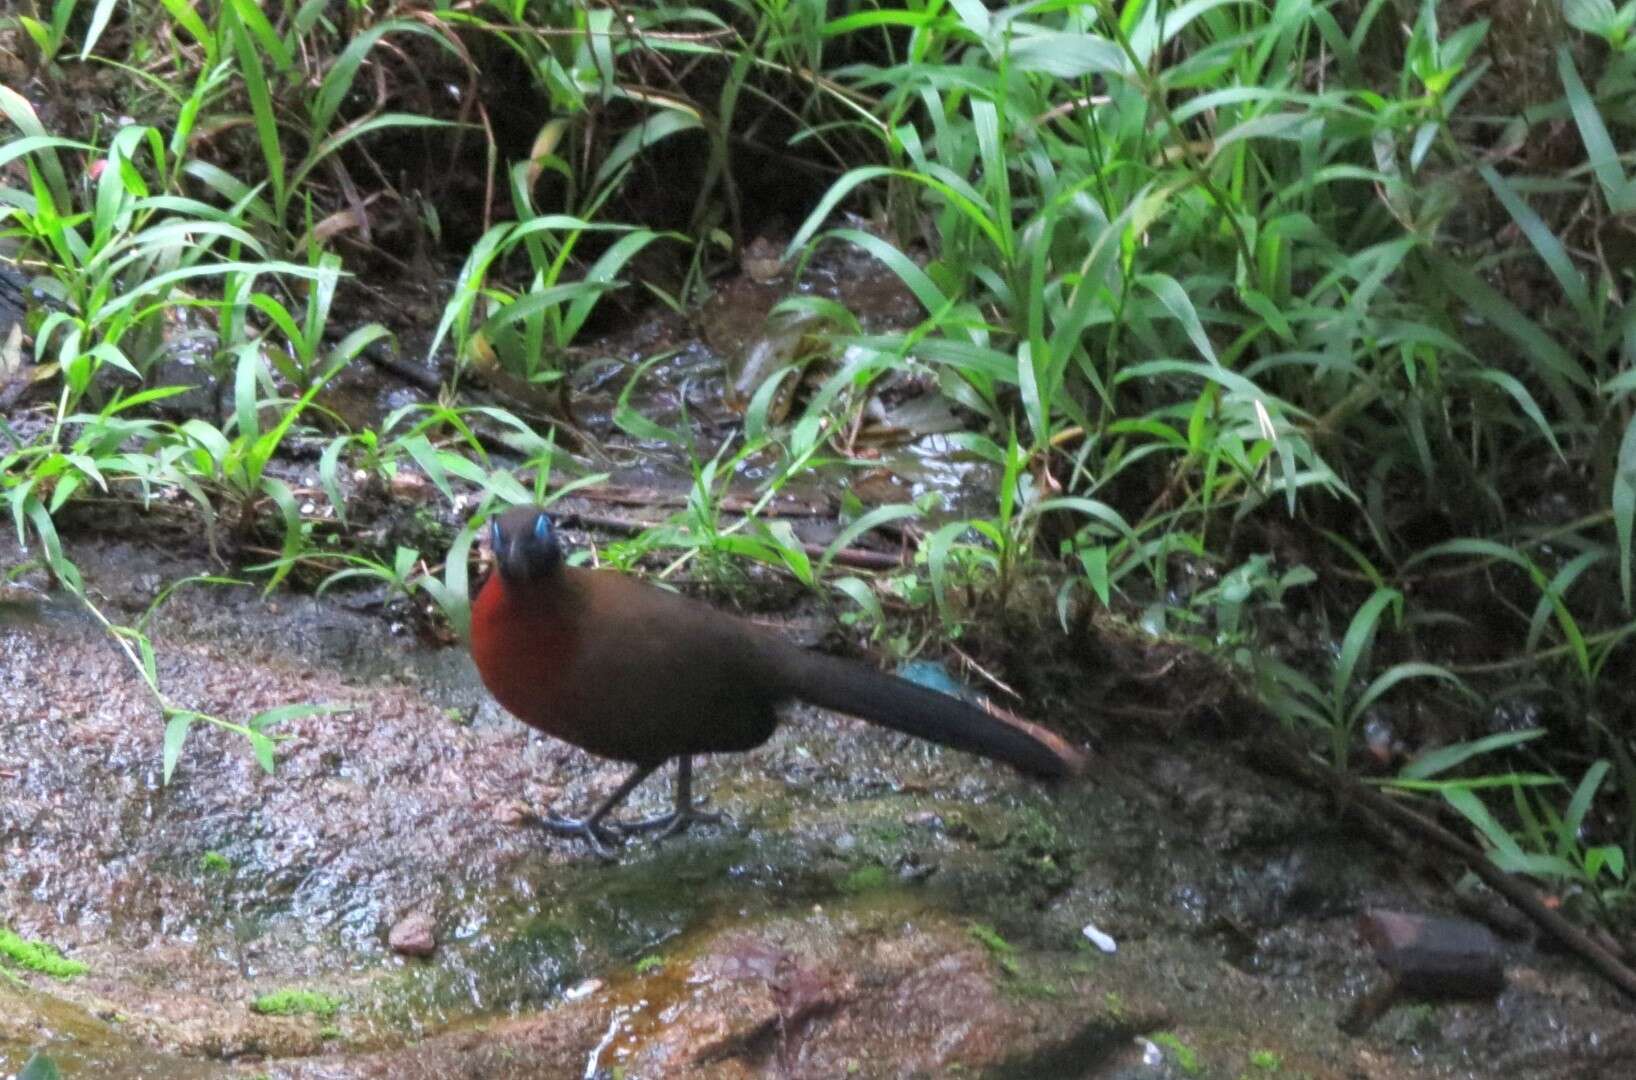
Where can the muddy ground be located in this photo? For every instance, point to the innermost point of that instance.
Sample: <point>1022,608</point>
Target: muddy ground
<point>874,907</point>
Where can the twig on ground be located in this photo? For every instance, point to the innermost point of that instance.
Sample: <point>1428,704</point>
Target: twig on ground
<point>427,382</point>
<point>988,676</point>
<point>733,504</point>
<point>1516,890</point>
<point>860,558</point>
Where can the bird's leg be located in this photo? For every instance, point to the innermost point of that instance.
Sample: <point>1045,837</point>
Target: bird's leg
<point>591,828</point>
<point>683,814</point>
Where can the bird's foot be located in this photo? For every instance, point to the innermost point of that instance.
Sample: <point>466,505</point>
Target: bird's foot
<point>666,825</point>
<point>596,836</point>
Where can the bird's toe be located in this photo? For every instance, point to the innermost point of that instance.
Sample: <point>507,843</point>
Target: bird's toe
<point>598,838</point>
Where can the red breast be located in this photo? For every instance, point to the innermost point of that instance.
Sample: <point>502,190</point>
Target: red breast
<point>524,651</point>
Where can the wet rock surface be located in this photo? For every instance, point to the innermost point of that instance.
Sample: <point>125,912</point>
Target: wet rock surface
<point>874,907</point>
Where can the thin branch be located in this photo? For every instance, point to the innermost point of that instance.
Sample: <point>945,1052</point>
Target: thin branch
<point>1325,779</point>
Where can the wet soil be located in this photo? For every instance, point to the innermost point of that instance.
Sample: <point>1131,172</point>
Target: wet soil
<point>873,907</point>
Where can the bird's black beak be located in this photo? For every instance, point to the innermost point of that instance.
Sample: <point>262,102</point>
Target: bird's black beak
<point>525,545</point>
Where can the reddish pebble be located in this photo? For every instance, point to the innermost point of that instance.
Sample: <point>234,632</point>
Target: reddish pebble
<point>414,935</point>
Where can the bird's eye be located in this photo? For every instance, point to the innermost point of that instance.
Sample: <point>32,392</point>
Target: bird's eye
<point>494,534</point>
<point>542,528</point>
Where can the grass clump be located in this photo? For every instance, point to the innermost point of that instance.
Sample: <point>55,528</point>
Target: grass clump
<point>864,879</point>
<point>1004,953</point>
<point>1266,1061</point>
<point>1187,1059</point>
<point>990,939</point>
<point>37,956</point>
<point>296,1002</point>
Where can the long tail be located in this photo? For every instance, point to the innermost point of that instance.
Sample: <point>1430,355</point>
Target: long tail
<point>849,687</point>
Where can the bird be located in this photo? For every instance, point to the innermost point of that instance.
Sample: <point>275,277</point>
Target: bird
<point>633,672</point>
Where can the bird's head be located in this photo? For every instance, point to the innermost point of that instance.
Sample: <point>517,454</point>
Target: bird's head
<point>525,545</point>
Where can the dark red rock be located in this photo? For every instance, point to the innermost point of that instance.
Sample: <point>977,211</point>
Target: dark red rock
<point>414,935</point>
<point>1436,955</point>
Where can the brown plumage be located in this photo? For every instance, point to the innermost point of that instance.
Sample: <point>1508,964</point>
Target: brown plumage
<point>629,671</point>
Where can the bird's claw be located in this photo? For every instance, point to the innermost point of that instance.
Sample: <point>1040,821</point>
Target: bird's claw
<point>601,831</point>
<point>667,825</point>
<point>595,835</point>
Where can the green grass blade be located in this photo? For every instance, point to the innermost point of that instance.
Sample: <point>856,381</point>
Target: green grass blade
<point>93,30</point>
<point>1359,635</point>
<point>1433,762</point>
<point>1624,505</point>
<point>1619,190</point>
<point>1545,244</point>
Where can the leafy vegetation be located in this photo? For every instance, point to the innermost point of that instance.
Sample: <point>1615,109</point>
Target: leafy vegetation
<point>1300,333</point>
<point>39,1067</point>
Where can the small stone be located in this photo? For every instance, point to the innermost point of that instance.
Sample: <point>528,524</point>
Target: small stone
<point>511,812</point>
<point>762,261</point>
<point>408,484</point>
<point>1436,955</point>
<point>1100,938</point>
<point>414,935</point>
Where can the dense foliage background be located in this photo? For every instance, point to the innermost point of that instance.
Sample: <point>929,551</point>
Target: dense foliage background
<point>1297,331</point>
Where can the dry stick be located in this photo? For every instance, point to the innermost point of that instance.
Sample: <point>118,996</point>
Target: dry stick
<point>1324,778</point>
<point>861,558</point>
<point>431,384</point>
<point>734,504</point>
<point>421,379</point>
<point>993,680</point>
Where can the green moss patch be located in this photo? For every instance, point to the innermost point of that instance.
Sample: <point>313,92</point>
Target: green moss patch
<point>1185,1056</point>
<point>291,1002</point>
<point>865,879</point>
<point>37,956</point>
<point>997,946</point>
